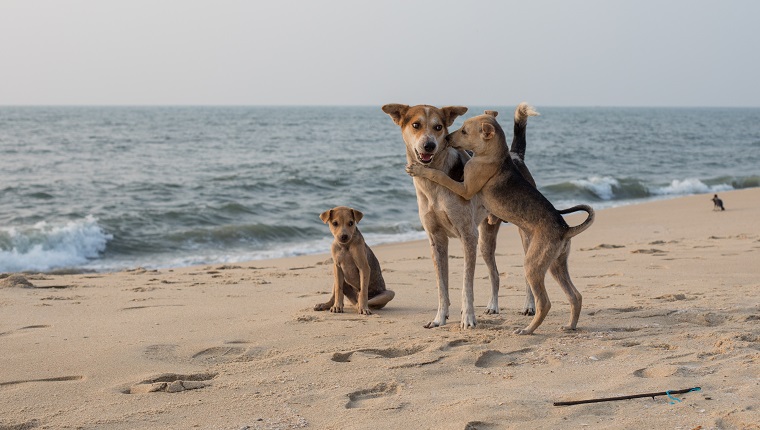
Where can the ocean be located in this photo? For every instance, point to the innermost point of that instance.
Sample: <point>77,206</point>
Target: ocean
<point>110,188</point>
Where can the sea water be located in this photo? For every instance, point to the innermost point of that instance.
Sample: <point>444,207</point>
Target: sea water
<point>107,188</point>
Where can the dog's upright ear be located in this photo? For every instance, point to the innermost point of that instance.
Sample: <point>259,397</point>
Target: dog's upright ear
<point>450,113</point>
<point>493,113</point>
<point>357,215</point>
<point>487,130</point>
<point>396,112</point>
<point>326,216</point>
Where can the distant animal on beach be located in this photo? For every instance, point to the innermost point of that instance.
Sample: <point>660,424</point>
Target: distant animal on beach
<point>493,175</point>
<point>717,203</point>
<point>357,273</point>
<point>442,213</point>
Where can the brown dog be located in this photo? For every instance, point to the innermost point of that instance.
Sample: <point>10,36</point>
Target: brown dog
<point>442,213</point>
<point>492,174</point>
<point>357,272</point>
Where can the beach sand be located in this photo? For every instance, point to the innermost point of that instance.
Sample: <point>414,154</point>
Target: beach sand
<point>671,300</point>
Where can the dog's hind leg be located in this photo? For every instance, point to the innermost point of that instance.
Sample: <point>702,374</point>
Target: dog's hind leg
<point>488,232</point>
<point>529,308</point>
<point>325,306</point>
<point>561,274</point>
<point>439,245</point>
<point>537,262</point>
<point>380,300</point>
<point>470,248</point>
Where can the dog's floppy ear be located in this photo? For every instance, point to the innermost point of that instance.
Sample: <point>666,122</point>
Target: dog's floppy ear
<point>487,130</point>
<point>493,113</point>
<point>396,112</point>
<point>326,216</point>
<point>357,215</point>
<point>450,113</point>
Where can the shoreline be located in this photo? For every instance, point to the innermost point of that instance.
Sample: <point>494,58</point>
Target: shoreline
<point>114,268</point>
<point>669,302</point>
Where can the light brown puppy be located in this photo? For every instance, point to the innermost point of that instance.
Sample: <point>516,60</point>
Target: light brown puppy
<point>442,213</point>
<point>356,270</point>
<point>492,174</point>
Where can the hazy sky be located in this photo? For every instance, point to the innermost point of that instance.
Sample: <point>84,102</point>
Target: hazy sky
<point>354,52</point>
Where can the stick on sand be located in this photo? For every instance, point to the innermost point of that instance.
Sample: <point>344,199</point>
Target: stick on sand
<point>633,396</point>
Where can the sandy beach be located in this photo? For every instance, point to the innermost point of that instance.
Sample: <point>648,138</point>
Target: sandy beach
<point>670,301</point>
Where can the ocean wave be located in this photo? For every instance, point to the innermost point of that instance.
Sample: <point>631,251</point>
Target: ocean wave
<point>596,188</point>
<point>45,247</point>
<point>607,189</point>
<point>601,186</point>
<point>687,187</point>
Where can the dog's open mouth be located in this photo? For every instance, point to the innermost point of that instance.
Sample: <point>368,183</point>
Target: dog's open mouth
<point>424,157</point>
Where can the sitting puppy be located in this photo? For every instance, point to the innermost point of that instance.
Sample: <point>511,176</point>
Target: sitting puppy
<point>357,272</point>
<point>508,195</point>
<point>717,203</point>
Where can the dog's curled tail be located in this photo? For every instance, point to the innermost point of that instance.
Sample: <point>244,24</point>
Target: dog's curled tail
<point>578,229</point>
<point>519,143</point>
<point>522,113</point>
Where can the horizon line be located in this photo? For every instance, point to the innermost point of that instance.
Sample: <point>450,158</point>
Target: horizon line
<point>374,105</point>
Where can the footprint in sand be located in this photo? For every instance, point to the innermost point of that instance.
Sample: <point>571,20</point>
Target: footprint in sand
<point>480,425</point>
<point>393,358</point>
<point>493,358</point>
<point>171,383</point>
<point>627,309</point>
<point>162,352</point>
<point>219,354</point>
<point>369,397</point>
<point>665,371</point>
<point>345,357</point>
<point>706,319</point>
<point>232,351</point>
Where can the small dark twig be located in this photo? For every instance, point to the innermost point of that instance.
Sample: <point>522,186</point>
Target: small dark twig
<point>634,396</point>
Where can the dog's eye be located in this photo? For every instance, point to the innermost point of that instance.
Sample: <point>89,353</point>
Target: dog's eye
<point>463,132</point>
<point>335,223</point>
<point>350,223</point>
<point>416,125</point>
<point>438,127</point>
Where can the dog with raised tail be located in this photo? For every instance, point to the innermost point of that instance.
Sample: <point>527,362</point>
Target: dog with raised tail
<point>493,175</point>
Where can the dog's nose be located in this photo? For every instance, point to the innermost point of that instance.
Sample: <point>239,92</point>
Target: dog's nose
<point>429,146</point>
<point>343,237</point>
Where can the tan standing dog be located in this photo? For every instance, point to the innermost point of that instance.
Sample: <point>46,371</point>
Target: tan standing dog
<point>492,174</point>
<point>444,214</point>
<point>356,270</point>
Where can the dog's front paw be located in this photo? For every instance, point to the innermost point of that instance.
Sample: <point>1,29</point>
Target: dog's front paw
<point>336,309</point>
<point>468,321</point>
<point>432,324</point>
<point>322,306</point>
<point>365,311</point>
<point>414,169</point>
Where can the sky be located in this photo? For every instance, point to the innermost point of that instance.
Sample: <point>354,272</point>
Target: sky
<point>357,52</point>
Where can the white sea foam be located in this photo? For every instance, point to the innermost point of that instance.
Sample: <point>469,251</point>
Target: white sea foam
<point>602,186</point>
<point>45,247</point>
<point>688,186</point>
<point>234,256</point>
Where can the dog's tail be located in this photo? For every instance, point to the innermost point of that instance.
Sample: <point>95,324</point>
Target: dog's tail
<point>578,229</point>
<point>522,113</point>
